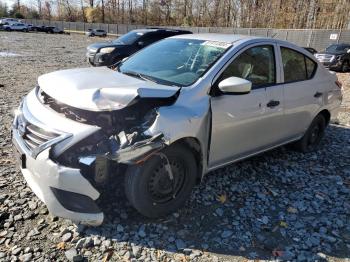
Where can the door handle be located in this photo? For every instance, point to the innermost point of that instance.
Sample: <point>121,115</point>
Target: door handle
<point>318,94</point>
<point>273,103</point>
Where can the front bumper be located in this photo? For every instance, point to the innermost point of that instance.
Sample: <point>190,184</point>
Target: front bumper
<point>44,177</point>
<point>99,59</point>
<point>64,190</point>
<point>334,65</point>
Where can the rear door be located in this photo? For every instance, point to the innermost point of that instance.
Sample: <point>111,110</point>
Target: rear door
<point>303,93</point>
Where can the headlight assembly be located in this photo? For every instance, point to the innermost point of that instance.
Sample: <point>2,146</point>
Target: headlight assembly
<point>107,50</point>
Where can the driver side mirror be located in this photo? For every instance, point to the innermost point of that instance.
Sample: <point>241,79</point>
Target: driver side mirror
<point>235,85</point>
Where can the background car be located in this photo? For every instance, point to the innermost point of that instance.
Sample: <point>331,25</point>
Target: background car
<point>96,32</point>
<point>109,53</point>
<point>31,27</point>
<point>336,57</point>
<point>16,27</point>
<point>54,30</point>
<point>311,50</point>
<point>9,21</point>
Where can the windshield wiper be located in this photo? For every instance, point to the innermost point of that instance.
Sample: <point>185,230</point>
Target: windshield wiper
<point>140,76</point>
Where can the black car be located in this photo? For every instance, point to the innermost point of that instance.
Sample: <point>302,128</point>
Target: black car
<point>336,57</point>
<point>109,53</point>
<point>41,28</point>
<point>311,50</point>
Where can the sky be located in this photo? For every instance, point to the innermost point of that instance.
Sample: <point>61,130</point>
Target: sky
<point>8,2</point>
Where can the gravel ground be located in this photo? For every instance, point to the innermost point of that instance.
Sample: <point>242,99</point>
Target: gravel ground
<point>279,205</point>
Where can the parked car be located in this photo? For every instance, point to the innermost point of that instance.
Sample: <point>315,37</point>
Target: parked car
<point>311,50</point>
<point>54,30</point>
<point>165,117</point>
<point>41,28</point>
<point>96,32</point>
<point>16,27</point>
<point>9,20</point>
<point>31,27</point>
<point>111,52</point>
<point>336,57</point>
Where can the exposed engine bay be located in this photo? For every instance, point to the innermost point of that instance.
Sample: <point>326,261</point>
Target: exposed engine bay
<point>121,139</point>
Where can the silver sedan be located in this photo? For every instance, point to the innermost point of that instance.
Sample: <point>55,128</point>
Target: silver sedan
<point>165,117</point>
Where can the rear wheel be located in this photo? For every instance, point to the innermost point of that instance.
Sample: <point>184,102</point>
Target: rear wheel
<point>313,135</point>
<point>153,190</point>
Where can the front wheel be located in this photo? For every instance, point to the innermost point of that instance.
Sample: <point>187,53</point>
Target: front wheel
<point>163,183</point>
<point>345,67</point>
<point>313,135</point>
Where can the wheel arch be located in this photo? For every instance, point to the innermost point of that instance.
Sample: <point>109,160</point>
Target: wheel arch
<point>326,114</point>
<point>193,144</point>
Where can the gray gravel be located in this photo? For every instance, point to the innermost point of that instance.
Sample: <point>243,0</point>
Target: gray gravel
<point>279,205</point>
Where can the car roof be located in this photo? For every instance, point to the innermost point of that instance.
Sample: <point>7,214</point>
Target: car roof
<point>159,29</point>
<point>228,38</point>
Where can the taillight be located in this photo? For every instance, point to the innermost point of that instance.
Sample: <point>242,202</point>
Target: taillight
<point>339,84</point>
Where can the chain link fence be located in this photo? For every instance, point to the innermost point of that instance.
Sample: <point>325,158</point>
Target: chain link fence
<point>316,38</point>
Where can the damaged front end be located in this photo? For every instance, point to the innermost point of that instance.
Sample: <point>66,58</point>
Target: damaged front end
<point>120,141</point>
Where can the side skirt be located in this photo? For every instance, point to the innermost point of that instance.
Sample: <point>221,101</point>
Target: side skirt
<point>253,154</point>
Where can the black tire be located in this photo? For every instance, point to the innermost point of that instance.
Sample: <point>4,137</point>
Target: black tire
<point>149,188</point>
<point>345,67</point>
<point>313,135</point>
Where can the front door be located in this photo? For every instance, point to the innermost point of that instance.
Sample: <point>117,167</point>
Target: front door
<point>241,124</point>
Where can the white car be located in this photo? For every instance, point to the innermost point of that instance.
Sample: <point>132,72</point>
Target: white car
<point>165,117</point>
<point>96,32</point>
<point>16,27</point>
<point>9,21</point>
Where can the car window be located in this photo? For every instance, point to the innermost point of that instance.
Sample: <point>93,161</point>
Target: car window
<point>150,38</point>
<point>296,66</point>
<point>310,67</point>
<point>337,48</point>
<point>129,38</point>
<point>257,64</point>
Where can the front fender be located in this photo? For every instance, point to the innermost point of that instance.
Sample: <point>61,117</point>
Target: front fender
<point>177,122</point>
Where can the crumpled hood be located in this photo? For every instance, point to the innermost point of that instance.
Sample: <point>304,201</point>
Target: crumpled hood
<point>100,88</point>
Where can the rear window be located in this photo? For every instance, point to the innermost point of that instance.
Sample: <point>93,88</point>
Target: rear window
<point>296,66</point>
<point>337,48</point>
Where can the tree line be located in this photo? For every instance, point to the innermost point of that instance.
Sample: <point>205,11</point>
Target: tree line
<point>326,14</point>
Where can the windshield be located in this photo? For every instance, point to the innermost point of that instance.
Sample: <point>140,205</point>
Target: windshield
<point>337,48</point>
<point>175,61</point>
<point>129,38</point>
